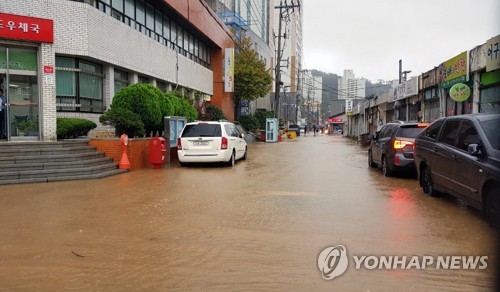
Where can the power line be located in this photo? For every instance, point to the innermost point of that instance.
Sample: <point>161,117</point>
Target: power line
<point>283,9</point>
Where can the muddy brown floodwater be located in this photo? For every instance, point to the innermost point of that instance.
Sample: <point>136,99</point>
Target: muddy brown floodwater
<point>259,226</point>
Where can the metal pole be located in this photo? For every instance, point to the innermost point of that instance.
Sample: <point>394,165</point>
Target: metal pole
<point>278,66</point>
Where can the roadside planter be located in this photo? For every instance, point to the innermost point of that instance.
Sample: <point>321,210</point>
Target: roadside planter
<point>137,150</point>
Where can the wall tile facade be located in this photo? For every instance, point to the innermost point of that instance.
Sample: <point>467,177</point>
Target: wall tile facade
<point>82,31</point>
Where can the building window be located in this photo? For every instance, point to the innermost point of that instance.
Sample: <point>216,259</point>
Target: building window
<point>121,80</point>
<point>143,80</point>
<point>129,9</point>
<point>90,84</point>
<point>140,12</point>
<point>161,86</point>
<point>79,86</point>
<point>118,5</point>
<point>166,28</point>
<point>150,20</point>
<point>142,15</point>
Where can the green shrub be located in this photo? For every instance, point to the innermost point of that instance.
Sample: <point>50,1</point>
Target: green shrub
<point>214,113</point>
<point>168,104</point>
<point>250,123</point>
<point>185,109</point>
<point>124,121</point>
<point>144,100</point>
<point>262,115</point>
<point>151,104</point>
<point>28,126</point>
<point>68,128</point>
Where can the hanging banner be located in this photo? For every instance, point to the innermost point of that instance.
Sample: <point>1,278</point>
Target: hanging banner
<point>348,106</point>
<point>229,70</point>
<point>460,92</point>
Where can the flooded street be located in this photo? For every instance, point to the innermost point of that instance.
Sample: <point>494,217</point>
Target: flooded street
<point>258,226</point>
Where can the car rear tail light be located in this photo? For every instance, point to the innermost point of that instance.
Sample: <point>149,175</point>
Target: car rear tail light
<point>423,125</point>
<point>400,144</point>
<point>179,144</point>
<point>223,144</point>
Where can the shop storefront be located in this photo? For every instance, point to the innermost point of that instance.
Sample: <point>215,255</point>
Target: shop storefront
<point>456,89</point>
<point>20,39</point>
<point>336,124</point>
<point>406,97</point>
<point>490,92</point>
<point>430,97</point>
<point>389,112</point>
<point>489,100</point>
<point>431,105</point>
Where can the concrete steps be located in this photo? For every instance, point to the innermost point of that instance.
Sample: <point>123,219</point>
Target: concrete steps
<point>29,162</point>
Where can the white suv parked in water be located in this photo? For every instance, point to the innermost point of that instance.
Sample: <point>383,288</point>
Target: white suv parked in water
<point>211,142</point>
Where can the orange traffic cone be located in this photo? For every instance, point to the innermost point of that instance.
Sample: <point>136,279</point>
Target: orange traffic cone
<point>124,162</point>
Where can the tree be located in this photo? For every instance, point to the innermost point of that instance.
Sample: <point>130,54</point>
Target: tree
<point>144,101</point>
<point>124,121</point>
<point>251,79</point>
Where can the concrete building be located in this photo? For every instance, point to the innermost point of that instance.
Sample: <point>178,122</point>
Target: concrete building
<point>466,83</point>
<point>351,87</point>
<point>68,58</point>
<point>313,98</point>
<point>252,19</point>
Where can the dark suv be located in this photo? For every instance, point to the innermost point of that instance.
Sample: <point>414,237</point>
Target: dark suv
<point>391,148</point>
<point>460,155</point>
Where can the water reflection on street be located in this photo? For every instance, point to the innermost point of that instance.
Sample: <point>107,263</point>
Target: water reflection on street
<point>257,226</point>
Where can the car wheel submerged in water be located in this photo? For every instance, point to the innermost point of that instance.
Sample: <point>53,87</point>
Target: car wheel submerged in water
<point>493,206</point>
<point>245,155</point>
<point>370,160</point>
<point>386,171</point>
<point>426,182</point>
<point>232,160</point>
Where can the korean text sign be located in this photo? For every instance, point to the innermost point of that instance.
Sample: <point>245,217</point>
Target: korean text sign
<point>26,28</point>
<point>493,54</point>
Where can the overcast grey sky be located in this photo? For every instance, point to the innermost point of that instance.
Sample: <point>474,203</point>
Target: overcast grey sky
<point>370,36</point>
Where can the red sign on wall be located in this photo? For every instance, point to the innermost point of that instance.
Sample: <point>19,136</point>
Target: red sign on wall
<point>48,69</point>
<point>26,28</point>
<point>335,120</point>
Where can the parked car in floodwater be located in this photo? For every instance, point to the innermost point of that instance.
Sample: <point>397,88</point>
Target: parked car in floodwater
<point>460,156</point>
<point>391,148</point>
<point>211,142</point>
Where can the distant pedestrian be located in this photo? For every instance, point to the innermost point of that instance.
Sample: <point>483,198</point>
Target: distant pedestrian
<point>305,130</point>
<point>314,130</point>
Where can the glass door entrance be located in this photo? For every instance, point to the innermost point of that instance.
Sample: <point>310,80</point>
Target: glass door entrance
<point>19,118</point>
<point>3,108</point>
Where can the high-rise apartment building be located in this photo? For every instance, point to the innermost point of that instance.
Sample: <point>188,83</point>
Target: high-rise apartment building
<point>252,19</point>
<point>313,88</point>
<point>313,98</point>
<point>351,87</point>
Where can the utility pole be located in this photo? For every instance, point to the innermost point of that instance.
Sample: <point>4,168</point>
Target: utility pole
<point>283,8</point>
<point>300,90</point>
